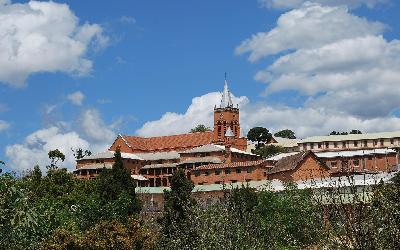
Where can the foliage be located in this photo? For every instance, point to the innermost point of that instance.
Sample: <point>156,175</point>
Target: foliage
<point>259,135</point>
<point>80,153</point>
<point>55,156</point>
<point>267,151</point>
<point>286,133</point>
<point>200,128</point>
<point>354,131</point>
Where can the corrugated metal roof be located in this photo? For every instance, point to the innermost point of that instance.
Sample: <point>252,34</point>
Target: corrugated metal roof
<point>214,148</point>
<point>158,156</point>
<point>163,165</point>
<point>96,166</point>
<point>110,155</point>
<point>277,185</point>
<point>352,137</point>
<point>201,159</point>
<point>280,156</point>
<point>351,153</point>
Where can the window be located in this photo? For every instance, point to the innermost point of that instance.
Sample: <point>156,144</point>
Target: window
<point>249,170</point>
<point>356,163</point>
<point>238,170</point>
<point>319,145</point>
<point>196,173</point>
<point>335,145</point>
<point>265,174</point>
<point>217,182</point>
<point>365,143</point>
<point>227,171</point>
<point>355,143</point>
<point>217,172</point>
<point>304,146</point>
<point>392,141</point>
<point>206,173</point>
<point>382,142</point>
<point>312,145</point>
<point>344,144</point>
<point>326,144</point>
<point>233,181</point>
<point>333,164</point>
<point>375,142</point>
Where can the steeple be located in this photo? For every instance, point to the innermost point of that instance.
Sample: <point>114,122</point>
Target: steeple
<point>226,100</point>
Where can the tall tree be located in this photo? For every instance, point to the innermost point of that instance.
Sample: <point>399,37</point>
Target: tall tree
<point>55,156</point>
<point>355,131</point>
<point>259,135</point>
<point>200,128</point>
<point>285,133</point>
<point>178,203</point>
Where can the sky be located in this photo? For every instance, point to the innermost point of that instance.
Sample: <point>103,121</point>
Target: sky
<point>75,74</point>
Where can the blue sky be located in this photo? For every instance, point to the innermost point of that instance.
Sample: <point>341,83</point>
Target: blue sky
<point>155,67</point>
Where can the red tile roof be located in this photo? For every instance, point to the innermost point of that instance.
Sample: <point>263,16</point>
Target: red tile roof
<point>233,164</point>
<point>168,143</point>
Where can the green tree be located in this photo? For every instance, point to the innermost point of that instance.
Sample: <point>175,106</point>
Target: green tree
<point>355,131</point>
<point>80,153</point>
<point>117,185</point>
<point>200,128</point>
<point>1,163</point>
<point>55,156</point>
<point>177,222</point>
<point>286,133</point>
<point>259,135</point>
<point>267,151</point>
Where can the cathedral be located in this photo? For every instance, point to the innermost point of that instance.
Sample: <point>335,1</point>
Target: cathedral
<point>208,158</point>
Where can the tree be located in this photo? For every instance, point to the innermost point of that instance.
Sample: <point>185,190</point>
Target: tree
<point>117,185</point>
<point>200,128</point>
<point>286,133</point>
<point>259,135</point>
<point>79,153</point>
<point>55,156</point>
<point>355,131</point>
<point>267,151</point>
<point>1,163</point>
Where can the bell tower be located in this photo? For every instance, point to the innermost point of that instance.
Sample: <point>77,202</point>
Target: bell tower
<point>226,117</point>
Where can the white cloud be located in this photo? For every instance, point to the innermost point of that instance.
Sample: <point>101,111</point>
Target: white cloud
<point>199,112</point>
<point>4,125</point>
<point>94,128</point>
<point>35,147</point>
<point>44,37</point>
<point>291,4</point>
<point>76,98</point>
<point>354,70</point>
<point>309,27</point>
<point>304,121</point>
<point>93,134</point>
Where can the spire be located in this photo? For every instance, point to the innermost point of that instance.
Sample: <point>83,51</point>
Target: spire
<point>226,100</point>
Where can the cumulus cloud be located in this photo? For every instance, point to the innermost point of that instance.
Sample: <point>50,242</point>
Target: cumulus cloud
<point>44,37</point>
<point>304,121</point>
<point>92,134</point>
<point>94,127</point>
<point>309,27</point>
<point>33,151</point>
<point>4,125</point>
<point>76,98</point>
<point>291,4</point>
<point>355,72</point>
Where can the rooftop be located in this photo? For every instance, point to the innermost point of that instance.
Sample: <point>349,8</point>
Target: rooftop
<point>232,165</point>
<point>168,143</point>
<point>214,148</point>
<point>352,137</point>
<point>351,153</point>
